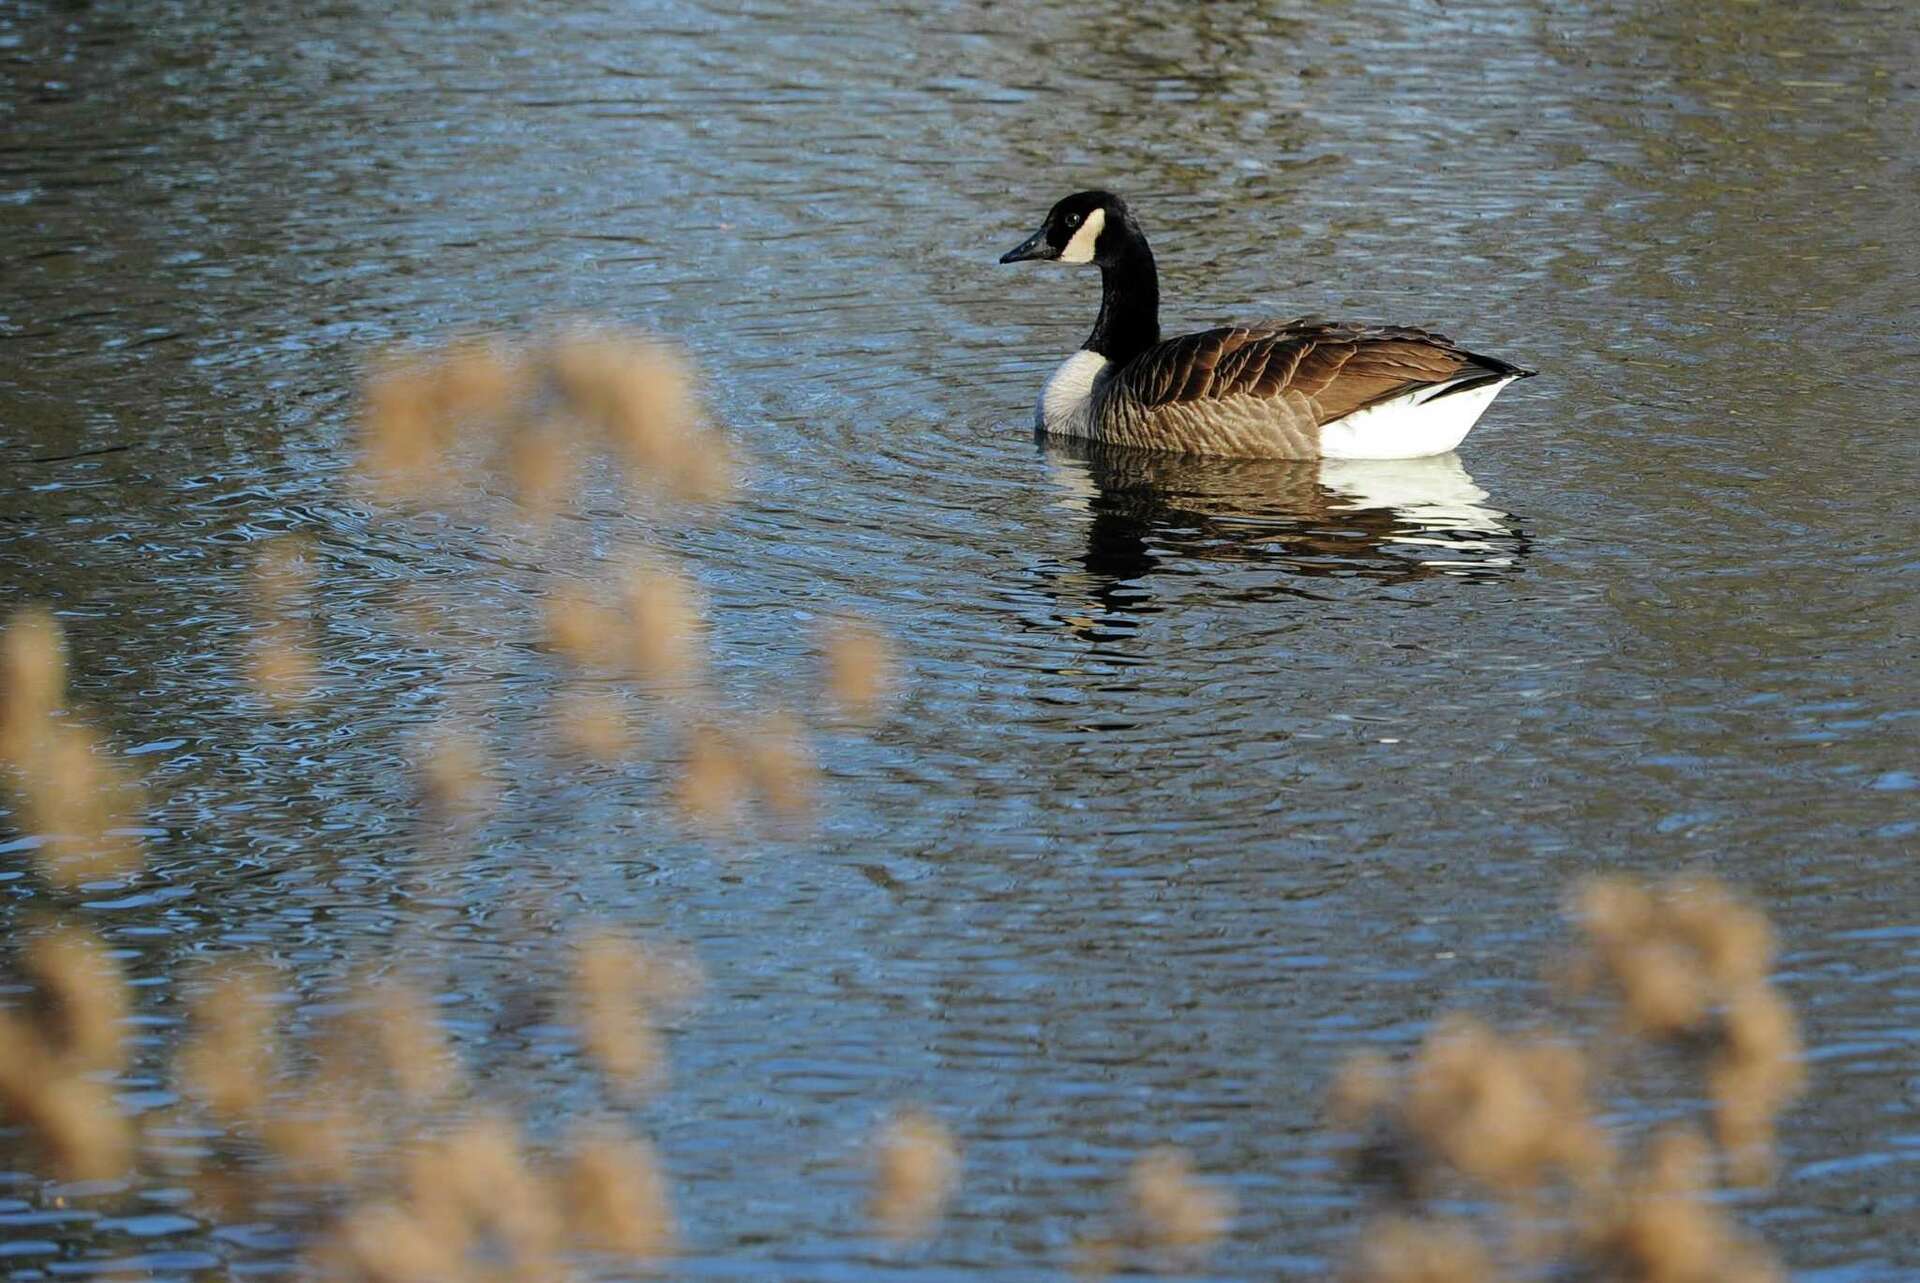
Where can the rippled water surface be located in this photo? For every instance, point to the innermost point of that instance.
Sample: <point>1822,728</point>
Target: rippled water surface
<point>1204,773</point>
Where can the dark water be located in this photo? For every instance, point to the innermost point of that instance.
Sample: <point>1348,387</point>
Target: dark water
<point>1204,773</point>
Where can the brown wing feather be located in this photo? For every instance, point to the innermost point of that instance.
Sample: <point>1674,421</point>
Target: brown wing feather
<point>1336,368</point>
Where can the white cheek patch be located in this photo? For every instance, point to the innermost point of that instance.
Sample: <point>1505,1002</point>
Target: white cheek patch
<point>1080,248</point>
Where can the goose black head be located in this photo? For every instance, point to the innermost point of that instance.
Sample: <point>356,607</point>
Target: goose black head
<point>1086,227</point>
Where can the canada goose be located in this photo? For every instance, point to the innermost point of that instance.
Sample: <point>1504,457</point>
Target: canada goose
<point>1305,389</point>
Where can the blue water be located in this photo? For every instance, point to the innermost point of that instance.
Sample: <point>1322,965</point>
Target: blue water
<point>1202,775</point>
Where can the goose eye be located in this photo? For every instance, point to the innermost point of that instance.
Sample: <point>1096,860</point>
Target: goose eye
<point>1073,220</point>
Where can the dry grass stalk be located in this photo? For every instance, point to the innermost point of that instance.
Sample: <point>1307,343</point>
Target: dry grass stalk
<point>1757,1070</point>
<point>640,395</point>
<point>388,1046</point>
<point>1170,1208</point>
<point>1511,1113</point>
<point>412,1045</point>
<point>594,725</point>
<point>383,1065</point>
<point>618,990</point>
<point>616,1198</point>
<point>540,464</point>
<point>281,665</point>
<point>83,999</point>
<point>1508,1112</point>
<point>916,1170</point>
<point>705,471</point>
<point>579,628</point>
<point>402,433</point>
<point>713,783</point>
<point>33,683</point>
<point>74,1121</point>
<point>1363,1088</point>
<point>635,394</point>
<point>53,1061</point>
<point>80,804</point>
<point>456,773</point>
<point>1405,1249</point>
<point>859,673</point>
<point>467,1203</point>
<point>482,379</point>
<point>468,1206</point>
<point>779,766</point>
<point>1660,1228</point>
<point>1688,962</point>
<point>228,1062</point>
<point>385,1243</point>
<point>414,408</point>
<point>663,625</point>
<point>1671,951</point>
<point>477,1185</point>
<point>314,1137</point>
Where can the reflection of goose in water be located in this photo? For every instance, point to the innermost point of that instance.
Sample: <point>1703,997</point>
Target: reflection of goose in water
<point>1386,521</point>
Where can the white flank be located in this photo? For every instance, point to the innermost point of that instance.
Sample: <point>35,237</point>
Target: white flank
<point>1408,427</point>
<point>1066,400</point>
<point>1080,248</point>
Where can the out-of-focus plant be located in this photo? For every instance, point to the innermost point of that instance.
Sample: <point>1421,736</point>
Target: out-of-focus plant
<point>397,1168</point>
<point>78,804</point>
<point>1679,969</point>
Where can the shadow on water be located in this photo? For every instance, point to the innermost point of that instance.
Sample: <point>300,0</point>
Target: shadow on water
<point>1387,522</point>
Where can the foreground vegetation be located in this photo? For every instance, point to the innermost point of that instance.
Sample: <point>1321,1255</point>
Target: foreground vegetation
<point>1490,1152</point>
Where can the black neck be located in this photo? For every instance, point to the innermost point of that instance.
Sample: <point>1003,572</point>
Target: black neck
<point>1129,321</point>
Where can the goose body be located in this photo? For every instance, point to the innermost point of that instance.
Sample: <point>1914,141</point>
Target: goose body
<point>1304,389</point>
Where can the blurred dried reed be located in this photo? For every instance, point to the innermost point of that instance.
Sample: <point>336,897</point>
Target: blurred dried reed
<point>1687,962</point>
<point>595,724</point>
<point>367,1120</point>
<point>57,1058</point>
<point>467,1204</point>
<point>859,669</point>
<point>281,665</point>
<point>1168,1218</point>
<point>370,1124</point>
<point>1680,966</point>
<point>524,405</point>
<point>620,990</point>
<point>616,1198</point>
<point>229,1059</point>
<point>436,424</point>
<point>73,797</point>
<point>1170,1208</point>
<point>916,1167</point>
<point>376,1138</point>
<point>456,772</point>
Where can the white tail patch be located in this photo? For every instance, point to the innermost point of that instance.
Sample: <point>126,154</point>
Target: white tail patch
<point>1420,423</point>
<point>1080,248</point>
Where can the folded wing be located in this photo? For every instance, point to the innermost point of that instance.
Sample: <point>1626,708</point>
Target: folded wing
<point>1322,371</point>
